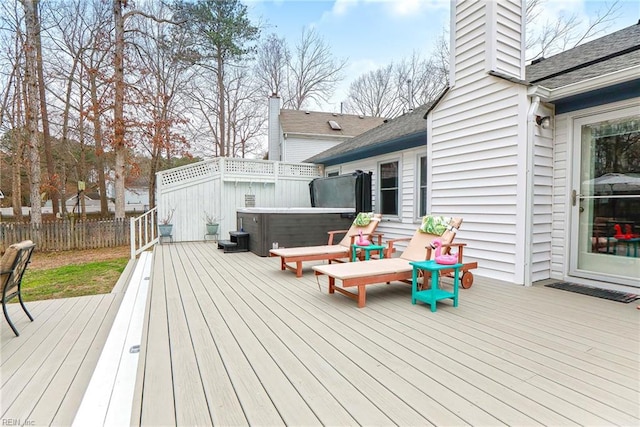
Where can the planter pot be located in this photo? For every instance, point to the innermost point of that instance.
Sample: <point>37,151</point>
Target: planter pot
<point>212,228</point>
<point>165,229</point>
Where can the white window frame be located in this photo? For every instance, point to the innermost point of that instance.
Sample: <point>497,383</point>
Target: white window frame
<point>419,186</point>
<point>398,187</point>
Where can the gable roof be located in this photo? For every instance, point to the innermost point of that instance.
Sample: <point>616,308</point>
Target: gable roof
<point>403,132</point>
<point>607,54</point>
<point>317,123</point>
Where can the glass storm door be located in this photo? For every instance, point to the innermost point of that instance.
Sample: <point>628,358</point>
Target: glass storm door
<point>606,209</point>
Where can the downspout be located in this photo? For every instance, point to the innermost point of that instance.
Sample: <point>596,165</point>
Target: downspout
<point>529,198</point>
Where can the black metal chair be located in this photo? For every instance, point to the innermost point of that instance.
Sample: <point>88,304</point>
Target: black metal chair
<point>12,267</point>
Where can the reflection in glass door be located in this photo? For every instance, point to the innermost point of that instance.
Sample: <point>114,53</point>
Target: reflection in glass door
<point>608,203</point>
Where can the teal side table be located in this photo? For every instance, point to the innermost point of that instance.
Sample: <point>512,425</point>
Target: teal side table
<point>367,251</point>
<point>431,296</point>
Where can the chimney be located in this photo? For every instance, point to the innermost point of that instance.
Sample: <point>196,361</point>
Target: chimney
<point>274,134</point>
<point>491,30</point>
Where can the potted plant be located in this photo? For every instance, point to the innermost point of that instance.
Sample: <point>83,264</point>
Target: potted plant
<point>165,227</point>
<point>211,221</point>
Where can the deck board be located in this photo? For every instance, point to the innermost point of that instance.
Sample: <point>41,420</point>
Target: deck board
<point>271,348</point>
<point>46,369</point>
<point>230,339</point>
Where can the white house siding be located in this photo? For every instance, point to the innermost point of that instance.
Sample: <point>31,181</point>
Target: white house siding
<point>407,221</point>
<point>477,163</point>
<point>562,184</point>
<point>542,217</point>
<point>274,136</point>
<point>507,54</point>
<point>477,147</point>
<point>468,45</point>
<point>297,150</point>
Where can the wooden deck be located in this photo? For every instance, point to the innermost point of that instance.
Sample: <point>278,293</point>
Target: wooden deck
<point>45,371</point>
<point>230,339</point>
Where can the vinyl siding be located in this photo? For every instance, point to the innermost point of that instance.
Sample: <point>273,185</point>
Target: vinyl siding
<point>477,171</point>
<point>298,150</point>
<point>541,239</point>
<point>469,42</point>
<point>509,57</point>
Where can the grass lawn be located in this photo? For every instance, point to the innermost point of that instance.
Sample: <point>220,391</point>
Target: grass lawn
<point>72,280</point>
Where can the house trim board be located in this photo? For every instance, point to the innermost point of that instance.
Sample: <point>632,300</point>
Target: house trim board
<point>602,96</point>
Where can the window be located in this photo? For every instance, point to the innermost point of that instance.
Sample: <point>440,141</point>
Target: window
<point>389,188</point>
<point>333,173</point>
<point>422,190</point>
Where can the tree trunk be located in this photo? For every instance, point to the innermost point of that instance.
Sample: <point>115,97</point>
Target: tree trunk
<point>32,106</point>
<point>118,108</point>
<point>99,149</point>
<point>52,179</point>
<point>16,182</point>
<point>221,106</point>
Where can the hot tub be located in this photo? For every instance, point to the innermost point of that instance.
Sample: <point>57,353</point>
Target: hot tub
<point>291,227</point>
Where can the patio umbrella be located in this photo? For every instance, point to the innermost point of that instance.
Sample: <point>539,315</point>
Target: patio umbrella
<point>614,183</point>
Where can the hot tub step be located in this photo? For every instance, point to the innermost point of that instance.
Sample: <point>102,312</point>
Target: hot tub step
<point>230,246</point>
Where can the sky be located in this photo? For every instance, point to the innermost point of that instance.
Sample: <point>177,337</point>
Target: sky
<point>374,33</point>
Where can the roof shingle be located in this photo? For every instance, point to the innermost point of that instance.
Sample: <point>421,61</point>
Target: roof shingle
<point>317,123</point>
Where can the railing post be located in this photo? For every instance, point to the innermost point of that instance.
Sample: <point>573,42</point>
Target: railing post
<point>132,237</point>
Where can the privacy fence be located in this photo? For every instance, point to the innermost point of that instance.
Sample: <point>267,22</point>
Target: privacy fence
<point>68,234</point>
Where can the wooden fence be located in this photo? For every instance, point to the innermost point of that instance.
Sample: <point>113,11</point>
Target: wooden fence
<point>68,234</point>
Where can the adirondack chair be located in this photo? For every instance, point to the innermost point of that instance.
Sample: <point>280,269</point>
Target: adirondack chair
<point>12,267</point>
<point>331,251</point>
<point>389,269</point>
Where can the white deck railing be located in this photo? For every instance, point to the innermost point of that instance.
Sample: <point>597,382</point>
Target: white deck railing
<point>144,232</point>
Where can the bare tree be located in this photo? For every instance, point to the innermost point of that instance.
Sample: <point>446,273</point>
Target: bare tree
<point>12,114</point>
<point>247,113</point>
<point>548,36</point>
<point>81,86</point>
<point>161,92</point>
<point>372,94</point>
<point>307,74</point>
<point>314,72</point>
<point>397,88</point>
<point>32,107</point>
<point>272,64</point>
<point>418,81</point>
<point>52,183</point>
<point>118,107</point>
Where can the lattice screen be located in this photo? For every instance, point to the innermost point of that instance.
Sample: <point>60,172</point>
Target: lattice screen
<point>243,166</point>
<point>188,173</point>
<point>297,169</point>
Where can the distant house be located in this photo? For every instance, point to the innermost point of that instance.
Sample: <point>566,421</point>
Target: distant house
<point>519,152</point>
<point>136,197</point>
<point>295,135</point>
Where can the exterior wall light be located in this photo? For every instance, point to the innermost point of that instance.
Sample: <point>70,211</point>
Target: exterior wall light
<point>544,121</point>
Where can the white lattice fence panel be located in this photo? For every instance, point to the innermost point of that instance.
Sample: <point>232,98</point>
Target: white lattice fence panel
<point>299,169</point>
<point>189,173</point>
<point>248,167</point>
